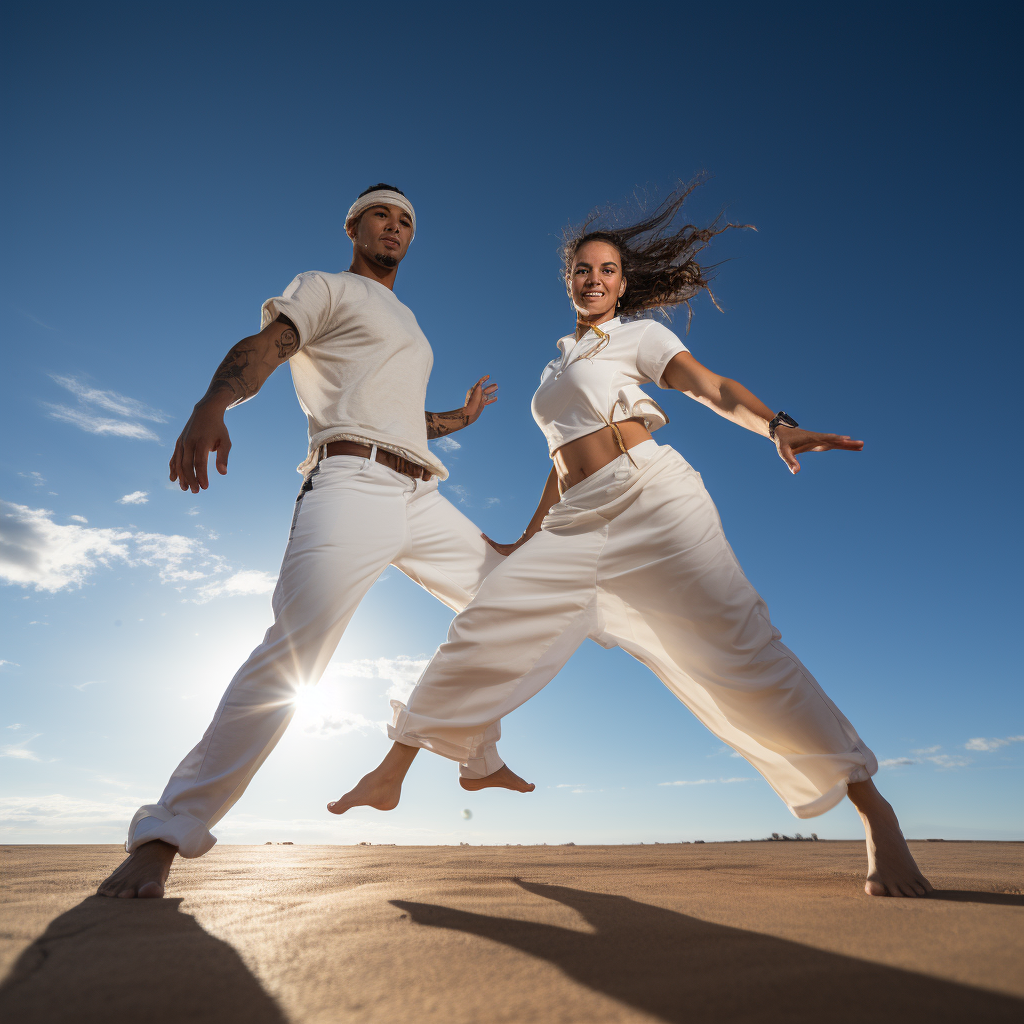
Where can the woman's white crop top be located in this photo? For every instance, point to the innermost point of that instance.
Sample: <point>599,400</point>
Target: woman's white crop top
<point>596,382</point>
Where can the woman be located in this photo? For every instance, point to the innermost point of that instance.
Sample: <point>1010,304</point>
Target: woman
<point>626,547</point>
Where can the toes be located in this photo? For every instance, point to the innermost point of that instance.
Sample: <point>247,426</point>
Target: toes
<point>126,894</point>
<point>151,891</point>
<point>875,888</point>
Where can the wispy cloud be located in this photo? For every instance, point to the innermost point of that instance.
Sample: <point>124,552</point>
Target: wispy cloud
<point>701,782</point>
<point>352,721</point>
<point>120,405</point>
<point>60,814</point>
<point>459,491</point>
<point>20,751</point>
<point>896,762</point>
<point>78,519</point>
<point>101,424</point>
<point>3,661</point>
<point>979,743</point>
<point>402,672</point>
<point>82,686</point>
<point>242,584</point>
<point>446,444</point>
<point>135,498</point>
<point>490,502</point>
<point>928,750</point>
<point>34,478</point>
<point>16,725</point>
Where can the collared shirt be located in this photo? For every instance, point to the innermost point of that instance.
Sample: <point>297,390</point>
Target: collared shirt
<point>362,367</point>
<point>596,382</point>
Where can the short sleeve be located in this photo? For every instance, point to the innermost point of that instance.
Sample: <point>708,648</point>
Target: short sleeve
<point>656,350</point>
<point>306,302</point>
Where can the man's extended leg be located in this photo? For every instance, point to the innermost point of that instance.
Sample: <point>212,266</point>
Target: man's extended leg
<point>347,528</point>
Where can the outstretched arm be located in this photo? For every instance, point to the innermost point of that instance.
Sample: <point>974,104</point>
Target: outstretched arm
<point>549,497</point>
<point>478,396</point>
<point>732,400</point>
<point>240,375</point>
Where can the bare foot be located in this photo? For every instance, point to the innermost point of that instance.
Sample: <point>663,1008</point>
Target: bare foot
<point>381,789</point>
<point>503,778</point>
<point>892,870</point>
<point>142,874</point>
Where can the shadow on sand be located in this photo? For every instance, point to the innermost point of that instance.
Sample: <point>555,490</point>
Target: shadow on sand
<point>107,961</point>
<point>687,971</point>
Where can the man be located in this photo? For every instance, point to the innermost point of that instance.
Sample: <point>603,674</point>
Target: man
<point>369,499</point>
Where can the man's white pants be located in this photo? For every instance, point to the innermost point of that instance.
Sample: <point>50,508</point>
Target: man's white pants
<point>353,518</point>
<point>635,557</point>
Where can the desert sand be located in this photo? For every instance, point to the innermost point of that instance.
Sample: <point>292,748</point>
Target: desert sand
<point>713,933</point>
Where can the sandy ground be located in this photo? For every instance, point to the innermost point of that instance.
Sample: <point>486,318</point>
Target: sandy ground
<point>702,934</point>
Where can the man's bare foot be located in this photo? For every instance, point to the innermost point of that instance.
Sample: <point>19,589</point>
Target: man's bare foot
<point>381,789</point>
<point>142,875</point>
<point>892,870</point>
<point>503,778</point>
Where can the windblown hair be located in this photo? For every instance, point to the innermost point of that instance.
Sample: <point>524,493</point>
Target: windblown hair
<point>659,258</point>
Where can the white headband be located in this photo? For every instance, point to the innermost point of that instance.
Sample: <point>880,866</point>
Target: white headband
<point>382,196</point>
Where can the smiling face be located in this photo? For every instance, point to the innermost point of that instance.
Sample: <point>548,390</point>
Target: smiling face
<point>596,281</point>
<point>381,233</point>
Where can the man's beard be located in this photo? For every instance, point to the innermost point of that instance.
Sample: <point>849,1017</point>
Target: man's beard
<point>385,260</point>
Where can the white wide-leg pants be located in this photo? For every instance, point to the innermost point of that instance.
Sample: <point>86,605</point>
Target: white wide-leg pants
<point>635,557</point>
<point>353,518</point>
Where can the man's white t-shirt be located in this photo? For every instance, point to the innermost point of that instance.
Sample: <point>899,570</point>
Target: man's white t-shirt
<point>362,367</point>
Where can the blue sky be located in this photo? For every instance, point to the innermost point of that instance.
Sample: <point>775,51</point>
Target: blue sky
<point>171,169</point>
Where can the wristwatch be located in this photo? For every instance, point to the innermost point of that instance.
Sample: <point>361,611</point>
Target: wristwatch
<point>781,419</point>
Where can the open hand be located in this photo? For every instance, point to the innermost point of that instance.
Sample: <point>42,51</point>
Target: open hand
<point>793,441</point>
<point>205,432</point>
<point>477,397</point>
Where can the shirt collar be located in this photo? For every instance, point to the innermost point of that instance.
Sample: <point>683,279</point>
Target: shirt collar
<point>569,341</point>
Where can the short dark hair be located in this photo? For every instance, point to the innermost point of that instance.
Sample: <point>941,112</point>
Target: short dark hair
<point>377,187</point>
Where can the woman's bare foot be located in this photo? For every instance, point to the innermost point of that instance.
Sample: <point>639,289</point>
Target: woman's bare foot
<point>382,788</point>
<point>379,789</point>
<point>892,870</point>
<point>503,778</point>
<point>142,875</point>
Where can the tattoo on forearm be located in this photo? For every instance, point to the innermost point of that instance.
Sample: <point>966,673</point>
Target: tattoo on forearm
<point>441,423</point>
<point>236,374</point>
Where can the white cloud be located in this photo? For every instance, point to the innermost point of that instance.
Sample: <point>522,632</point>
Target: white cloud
<point>979,743</point>
<point>895,762</point>
<point>36,479</point>
<point>135,498</point>
<point>402,672</point>
<point>949,760</point>
<point>4,661</point>
<point>79,519</point>
<point>447,444</point>
<point>37,552</point>
<point>352,721</point>
<point>100,424</point>
<point>701,782</point>
<point>193,511</point>
<point>61,814</point>
<point>16,725</point>
<point>242,584</point>
<point>490,502</point>
<point>459,491</point>
<point>928,750</point>
<point>20,750</point>
<point>121,405</point>
<point>82,686</point>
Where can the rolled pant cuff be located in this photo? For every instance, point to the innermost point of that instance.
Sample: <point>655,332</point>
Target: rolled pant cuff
<point>153,821</point>
<point>480,767</point>
<point>828,800</point>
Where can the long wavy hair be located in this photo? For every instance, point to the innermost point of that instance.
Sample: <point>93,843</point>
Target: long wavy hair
<point>659,257</point>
